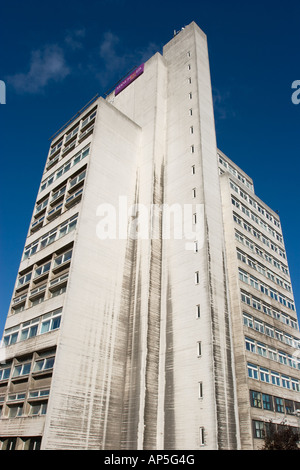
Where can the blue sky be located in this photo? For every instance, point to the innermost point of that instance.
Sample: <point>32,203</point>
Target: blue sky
<point>55,56</point>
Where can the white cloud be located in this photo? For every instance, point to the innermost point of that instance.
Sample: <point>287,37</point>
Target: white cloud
<point>74,38</point>
<point>115,61</point>
<point>46,65</point>
<point>107,62</point>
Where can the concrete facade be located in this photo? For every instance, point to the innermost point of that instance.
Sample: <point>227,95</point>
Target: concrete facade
<point>265,325</point>
<point>120,334</point>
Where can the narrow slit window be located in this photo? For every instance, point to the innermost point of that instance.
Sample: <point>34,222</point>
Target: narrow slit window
<point>200,390</point>
<point>201,436</point>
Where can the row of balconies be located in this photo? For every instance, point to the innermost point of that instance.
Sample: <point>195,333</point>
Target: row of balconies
<point>80,131</point>
<point>58,201</point>
<point>43,280</point>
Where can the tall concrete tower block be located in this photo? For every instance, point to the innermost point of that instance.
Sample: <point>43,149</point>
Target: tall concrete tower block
<point>126,328</point>
<point>187,340</point>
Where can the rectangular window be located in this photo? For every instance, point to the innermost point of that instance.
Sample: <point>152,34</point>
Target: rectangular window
<point>241,256</point>
<point>282,357</point>
<point>197,277</point>
<point>267,402</point>
<point>5,373</point>
<point>264,375</point>
<point>23,280</point>
<point>37,291</point>
<point>252,265</point>
<point>279,404</point>
<point>22,369</point>
<point>295,385</point>
<point>252,371</point>
<point>253,282</point>
<point>48,238</point>
<point>243,276</point>
<point>262,349</point>
<point>67,226</point>
<point>15,410</point>
<point>64,258</point>
<point>16,397</point>
<point>275,378</point>
<point>58,291</point>
<point>71,134</point>
<point>38,299</point>
<point>273,295</point>
<point>37,409</point>
<point>199,350</point>
<point>200,390</point>
<point>10,335</point>
<point>51,321</point>
<point>29,329</point>
<point>201,436</point>
<point>255,398</point>
<point>55,147</point>
<point>31,249</point>
<point>42,269</point>
<point>88,119</point>
<point>286,382</point>
<point>245,298</point>
<point>267,310</point>
<point>279,335</point>
<point>258,429</point>
<point>272,354</point>
<point>248,321</point>
<point>198,311</point>
<point>58,193</point>
<point>41,206</point>
<point>77,179</point>
<point>269,331</point>
<point>39,393</point>
<point>256,303</point>
<point>259,326</point>
<point>56,211</point>
<point>250,345</point>
<point>44,364</point>
<point>289,407</point>
<point>193,169</point>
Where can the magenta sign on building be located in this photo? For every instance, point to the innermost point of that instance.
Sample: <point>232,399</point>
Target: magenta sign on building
<point>129,79</point>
